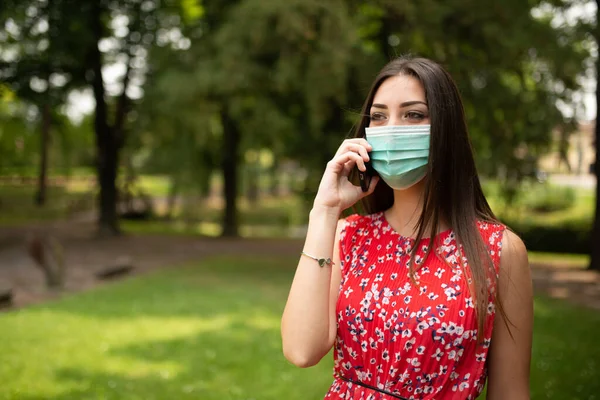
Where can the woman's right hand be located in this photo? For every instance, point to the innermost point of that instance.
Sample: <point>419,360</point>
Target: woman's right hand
<point>336,192</point>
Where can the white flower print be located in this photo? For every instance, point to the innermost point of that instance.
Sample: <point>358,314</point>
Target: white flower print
<point>457,342</point>
<point>372,343</point>
<point>364,283</point>
<point>382,314</point>
<point>438,354</point>
<point>469,302</point>
<point>422,326</point>
<point>409,344</point>
<point>419,315</point>
<point>362,375</point>
<point>418,329</point>
<point>364,346</point>
<point>450,292</point>
<point>352,353</point>
<point>447,327</point>
<point>387,293</point>
<point>457,276</point>
<point>348,291</point>
<point>405,288</point>
<point>385,356</point>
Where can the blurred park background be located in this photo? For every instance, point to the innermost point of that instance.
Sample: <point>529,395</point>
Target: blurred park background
<point>158,160</point>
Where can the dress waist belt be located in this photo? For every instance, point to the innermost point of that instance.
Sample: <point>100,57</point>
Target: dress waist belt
<point>358,383</point>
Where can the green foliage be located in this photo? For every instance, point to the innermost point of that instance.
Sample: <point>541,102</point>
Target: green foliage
<point>18,208</point>
<point>550,198</point>
<point>569,236</point>
<point>289,76</point>
<point>210,331</point>
<point>547,217</point>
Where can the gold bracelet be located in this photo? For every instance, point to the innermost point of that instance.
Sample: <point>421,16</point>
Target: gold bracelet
<point>322,261</point>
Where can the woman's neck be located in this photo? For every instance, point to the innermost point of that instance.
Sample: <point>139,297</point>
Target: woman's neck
<point>404,214</point>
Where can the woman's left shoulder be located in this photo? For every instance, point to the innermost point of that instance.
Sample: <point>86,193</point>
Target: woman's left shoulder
<point>514,252</point>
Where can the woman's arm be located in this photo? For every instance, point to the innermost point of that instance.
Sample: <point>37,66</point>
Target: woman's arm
<point>510,357</point>
<point>308,326</point>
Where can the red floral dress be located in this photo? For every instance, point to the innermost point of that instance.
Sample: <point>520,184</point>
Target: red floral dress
<point>415,341</point>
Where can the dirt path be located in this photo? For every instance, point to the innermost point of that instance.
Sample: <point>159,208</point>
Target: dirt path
<point>85,256</point>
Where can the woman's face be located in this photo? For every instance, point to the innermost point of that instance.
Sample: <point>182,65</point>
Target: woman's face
<point>400,100</point>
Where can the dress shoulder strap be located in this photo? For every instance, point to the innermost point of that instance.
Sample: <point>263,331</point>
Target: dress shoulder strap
<point>492,234</point>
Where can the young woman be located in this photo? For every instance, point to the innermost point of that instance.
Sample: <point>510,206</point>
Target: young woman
<point>426,294</point>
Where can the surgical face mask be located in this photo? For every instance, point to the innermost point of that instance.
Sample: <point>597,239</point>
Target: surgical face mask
<point>400,153</point>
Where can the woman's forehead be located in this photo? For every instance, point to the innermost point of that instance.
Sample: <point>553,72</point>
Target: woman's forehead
<point>399,89</point>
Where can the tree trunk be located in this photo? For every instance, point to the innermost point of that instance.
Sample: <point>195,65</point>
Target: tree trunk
<point>40,197</point>
<point>107,147</point>
<point>230,158</point>
<point>595,237</point>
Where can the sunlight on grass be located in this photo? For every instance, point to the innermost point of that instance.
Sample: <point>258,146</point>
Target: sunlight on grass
<point>557,259</point>
<point>155,185</point>
<point>183,334</point>
<point>210,331</point>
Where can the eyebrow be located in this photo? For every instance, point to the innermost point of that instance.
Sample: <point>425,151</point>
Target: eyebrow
<point>405,104</point>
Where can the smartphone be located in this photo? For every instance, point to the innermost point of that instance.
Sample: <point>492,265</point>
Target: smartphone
<point>364,177</point>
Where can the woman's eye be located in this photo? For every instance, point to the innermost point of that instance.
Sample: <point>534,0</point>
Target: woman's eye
<point>415,115</point>
<point>377,116</point>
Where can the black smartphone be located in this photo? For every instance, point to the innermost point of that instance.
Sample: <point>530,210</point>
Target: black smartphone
<point>364,177</point>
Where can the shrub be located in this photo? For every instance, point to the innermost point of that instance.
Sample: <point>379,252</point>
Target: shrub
<point>546,199</point>
<point>567,237</point>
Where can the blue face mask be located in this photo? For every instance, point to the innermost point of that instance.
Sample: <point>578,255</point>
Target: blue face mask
<point>400,153</point>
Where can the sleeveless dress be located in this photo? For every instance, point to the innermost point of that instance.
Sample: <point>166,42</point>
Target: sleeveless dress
<point>415,341</point>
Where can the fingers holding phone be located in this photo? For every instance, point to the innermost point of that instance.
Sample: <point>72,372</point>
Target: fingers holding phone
<point>335,190</point>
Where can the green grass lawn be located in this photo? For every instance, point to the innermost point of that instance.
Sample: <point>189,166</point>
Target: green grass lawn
<point>211,331</point>
<point>559,260</point>
<point>17,205</point>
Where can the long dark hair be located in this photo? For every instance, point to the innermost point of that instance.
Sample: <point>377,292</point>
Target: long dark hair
<point>452,188</point>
